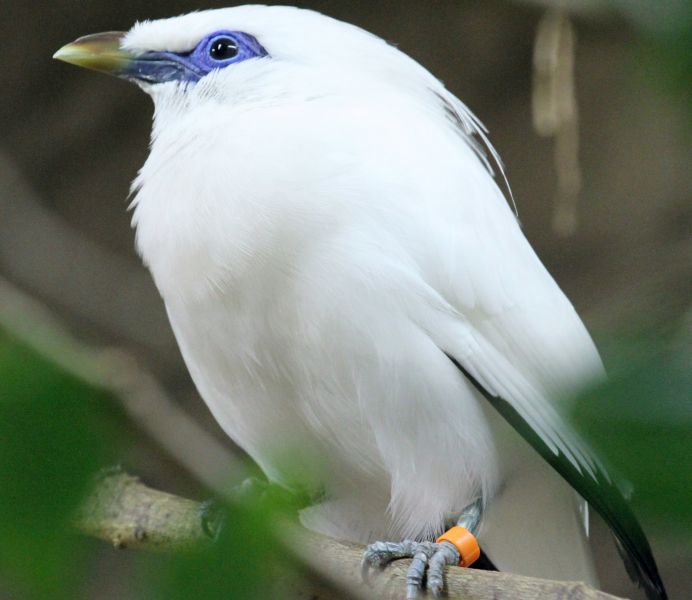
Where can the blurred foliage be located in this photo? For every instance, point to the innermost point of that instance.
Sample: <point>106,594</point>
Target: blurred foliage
<point>242,563</point>
<point>56,434</point>
<point>672,57</point>
<point>665,28</point>
<point>640,422</point>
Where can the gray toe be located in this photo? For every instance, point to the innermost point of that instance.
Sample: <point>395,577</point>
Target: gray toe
<point>414,575</point>
<point>427,557</point>
<point>445,554</point>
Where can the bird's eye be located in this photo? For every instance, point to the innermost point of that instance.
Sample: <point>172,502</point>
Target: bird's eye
<point>216,51</point>
<point>223,48</point>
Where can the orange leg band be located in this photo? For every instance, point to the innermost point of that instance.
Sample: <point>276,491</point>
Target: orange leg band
<point>465,542</point>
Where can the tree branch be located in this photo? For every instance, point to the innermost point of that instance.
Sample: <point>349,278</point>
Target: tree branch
<point>126,513</point>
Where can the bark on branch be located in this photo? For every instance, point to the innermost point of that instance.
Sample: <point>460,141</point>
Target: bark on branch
<point>126,513</point>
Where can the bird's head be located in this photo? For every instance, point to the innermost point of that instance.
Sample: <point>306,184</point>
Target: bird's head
<point>279,77</point>
<point>247,52</point>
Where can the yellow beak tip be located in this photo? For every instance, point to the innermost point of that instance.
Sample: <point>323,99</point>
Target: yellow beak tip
<point>100,52</point>
<point>63,54</point>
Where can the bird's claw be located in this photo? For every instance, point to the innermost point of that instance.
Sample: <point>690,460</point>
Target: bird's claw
<point>213,518</point>
<point>427,566</point>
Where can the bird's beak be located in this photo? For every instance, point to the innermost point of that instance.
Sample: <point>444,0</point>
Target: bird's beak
<point>103,52</point>
<point>100,52</point>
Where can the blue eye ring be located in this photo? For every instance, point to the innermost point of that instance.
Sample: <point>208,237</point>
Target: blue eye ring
<point>222,47</point>
<point>218,50</point>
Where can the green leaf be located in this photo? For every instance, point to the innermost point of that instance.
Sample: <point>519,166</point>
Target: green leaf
<point>56,432</point>
<point>640,421</point>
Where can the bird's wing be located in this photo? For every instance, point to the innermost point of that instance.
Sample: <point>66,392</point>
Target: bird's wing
<point>519,341</point>
<point>552,438</point>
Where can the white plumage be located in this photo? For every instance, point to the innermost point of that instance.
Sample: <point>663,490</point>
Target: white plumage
<point>323,230</point>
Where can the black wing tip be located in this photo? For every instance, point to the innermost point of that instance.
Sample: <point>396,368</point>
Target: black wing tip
<point>649,580</point>
<point>630,540</point>
<point>654,590</point>
<point>643,573</point>
<point>635,549</point>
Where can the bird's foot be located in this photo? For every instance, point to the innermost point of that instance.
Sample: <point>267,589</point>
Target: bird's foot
<point>212,515</point>
<point>427,567</point>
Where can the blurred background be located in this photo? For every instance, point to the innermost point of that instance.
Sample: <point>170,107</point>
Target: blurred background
<point>604,194</point>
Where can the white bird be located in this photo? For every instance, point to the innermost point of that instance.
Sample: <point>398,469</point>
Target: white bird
<point>352,293</point>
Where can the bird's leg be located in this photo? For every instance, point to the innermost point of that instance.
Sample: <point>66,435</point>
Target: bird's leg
<point>212,513</point>
<point>257,494</point>
<point>461,539</point>
<point>457,546</point>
